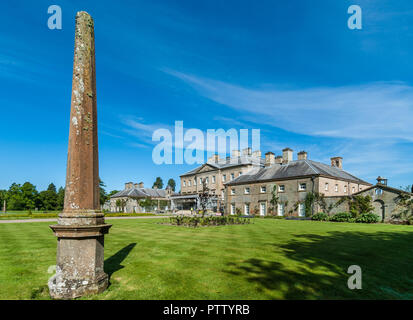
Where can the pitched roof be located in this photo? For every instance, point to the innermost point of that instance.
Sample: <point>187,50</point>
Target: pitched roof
<point>384,187</point>
<point>226,163</point>
<point>141,193</point>
<point>297,168</point>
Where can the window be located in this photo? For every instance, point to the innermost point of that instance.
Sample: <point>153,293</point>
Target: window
<point>200,181</point>
<point>224,177</point>
<point>247,208</point>
<point>281,188</point>
<point>336,188</point>
<point>247,190</point>
<point>206,180</point>
<point>189,183</point>
<point>379,191</point>
<point>240,173</point>
<point>232,191</point>
<point>301,210</point>
<point>345,189</point>
<point>232,208</point>
<point>263,189</point>
<point>213,179</point>
<point>326,186</point>
<point>353,189</point>
<point>222,194</point>
<point>281,209</point>
<point>232,176</point>
<point>302,186</point>
<point>194,182</point>
<point>184,183</point>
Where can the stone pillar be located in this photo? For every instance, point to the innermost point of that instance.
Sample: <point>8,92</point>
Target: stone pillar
<point>81,226</point>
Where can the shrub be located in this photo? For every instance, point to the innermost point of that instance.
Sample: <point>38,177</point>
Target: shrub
<point>367,218</point>
<point>321,216</point>
<point>196,221</point>
<point>342,217</point>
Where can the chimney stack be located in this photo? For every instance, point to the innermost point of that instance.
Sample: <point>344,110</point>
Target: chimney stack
<point>256,154</point>
<point>337,162</point>
<point>246,152</point>
<point>141,185</point>
<point>269,159</point>
<point>287,155</point>
<point>302,155</point>
<point>128,185</point>
<point>214,158</point>
<point>236,153</point>
<point>279,159</point>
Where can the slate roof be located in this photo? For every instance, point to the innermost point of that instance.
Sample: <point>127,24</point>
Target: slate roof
<point>294,169</point>
<point>141,193</point>
<point>225,163</point>
<point>384,187</point>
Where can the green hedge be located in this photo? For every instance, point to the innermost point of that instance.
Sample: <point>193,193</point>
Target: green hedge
<point>342,217</point>
<point>367,218</point>
<point>194,221</point>
<point>320,216</point>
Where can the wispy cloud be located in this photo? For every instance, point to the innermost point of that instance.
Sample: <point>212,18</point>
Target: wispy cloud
<point>375,110</point>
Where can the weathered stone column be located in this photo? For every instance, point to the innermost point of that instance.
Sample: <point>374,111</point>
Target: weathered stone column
<point>81,226</point>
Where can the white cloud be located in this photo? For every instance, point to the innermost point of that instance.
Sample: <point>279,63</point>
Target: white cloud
<point>375,110</point>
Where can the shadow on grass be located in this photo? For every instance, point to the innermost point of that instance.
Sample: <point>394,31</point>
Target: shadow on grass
<point>113,263</point>
<point>315,266</point>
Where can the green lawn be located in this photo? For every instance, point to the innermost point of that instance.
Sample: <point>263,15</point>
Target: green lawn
<point>269,259</point>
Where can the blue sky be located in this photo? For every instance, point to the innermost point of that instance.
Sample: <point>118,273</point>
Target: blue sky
<point>292,69</point>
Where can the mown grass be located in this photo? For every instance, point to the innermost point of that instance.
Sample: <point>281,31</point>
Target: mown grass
<point>269,259</point>
<point>48,215</point>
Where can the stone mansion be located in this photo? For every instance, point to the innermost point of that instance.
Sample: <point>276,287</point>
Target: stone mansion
<point>244,183</point>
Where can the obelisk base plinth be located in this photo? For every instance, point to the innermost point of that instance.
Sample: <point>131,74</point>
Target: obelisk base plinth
<point>80,257</point>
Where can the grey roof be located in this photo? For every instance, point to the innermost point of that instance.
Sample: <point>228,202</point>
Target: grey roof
<point>297,168</point>
<point>384,187</point>
<point>141,193</point>
<point>226,163</point>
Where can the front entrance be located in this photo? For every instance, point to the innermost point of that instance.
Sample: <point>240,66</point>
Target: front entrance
<point>263,209</point>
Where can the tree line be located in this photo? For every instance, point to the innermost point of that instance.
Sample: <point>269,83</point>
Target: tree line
<point>26,197</point>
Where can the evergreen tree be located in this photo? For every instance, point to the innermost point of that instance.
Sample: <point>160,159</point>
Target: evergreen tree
<point>172,184</point>
<point>60,198</point>
<point>158,183</point>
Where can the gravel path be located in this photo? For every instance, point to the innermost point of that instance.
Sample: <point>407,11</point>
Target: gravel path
<point>55,219</point>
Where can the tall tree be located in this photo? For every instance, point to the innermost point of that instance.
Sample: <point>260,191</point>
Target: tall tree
<point>60,198</point>
<point>158,183</point>
<point>52,188</point>
<point>103,195</point>
<point>172,184</point>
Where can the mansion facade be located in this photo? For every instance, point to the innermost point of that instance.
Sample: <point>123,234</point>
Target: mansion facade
<point>290,181</point>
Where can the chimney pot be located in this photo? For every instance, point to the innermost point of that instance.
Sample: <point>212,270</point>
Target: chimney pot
<point>337,162</point>
<point>302,155</point>
<point>269,159</point>
<point>287,155</point>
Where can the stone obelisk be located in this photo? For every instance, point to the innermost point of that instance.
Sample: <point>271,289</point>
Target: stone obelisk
<point>81,226</point>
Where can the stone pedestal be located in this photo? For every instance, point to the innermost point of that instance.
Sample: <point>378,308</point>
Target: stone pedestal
<point>80,258</point>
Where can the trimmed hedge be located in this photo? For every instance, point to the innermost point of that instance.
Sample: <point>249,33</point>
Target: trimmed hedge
<point>194,221</point>
<point>320,216</point>
<point>367,218</point>
<point>342,217</point>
